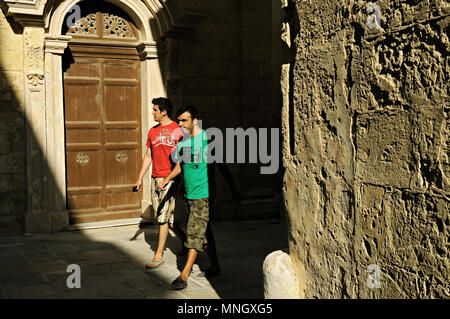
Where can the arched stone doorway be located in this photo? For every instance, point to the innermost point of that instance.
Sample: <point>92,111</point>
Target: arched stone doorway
<point>87,201</point>
<point>102,103</point>
<point>39,25</point>
<point>44,43</point>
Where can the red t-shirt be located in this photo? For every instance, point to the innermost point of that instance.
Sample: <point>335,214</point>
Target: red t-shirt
<point>161,140</point>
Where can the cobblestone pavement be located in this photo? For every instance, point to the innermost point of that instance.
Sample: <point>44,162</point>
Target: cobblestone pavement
<point>112,263</point>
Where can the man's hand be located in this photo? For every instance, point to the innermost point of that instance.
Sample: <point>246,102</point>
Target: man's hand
<point>164,183</point>
<point>176,170</point>
<point>138,185</point>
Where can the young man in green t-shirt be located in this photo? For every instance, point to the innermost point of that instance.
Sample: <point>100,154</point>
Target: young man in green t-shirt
<point>190,156</point>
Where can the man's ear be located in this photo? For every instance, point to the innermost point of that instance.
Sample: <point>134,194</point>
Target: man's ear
<point>195,121</point>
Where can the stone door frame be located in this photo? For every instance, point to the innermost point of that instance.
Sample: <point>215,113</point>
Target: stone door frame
<point>44,45</point>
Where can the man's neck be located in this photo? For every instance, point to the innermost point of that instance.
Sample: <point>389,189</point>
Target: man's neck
<point>165,121</point>
<point>196,130</point>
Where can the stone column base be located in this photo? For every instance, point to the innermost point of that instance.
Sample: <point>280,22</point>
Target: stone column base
<point>280,277</point>
<point>47,222</point>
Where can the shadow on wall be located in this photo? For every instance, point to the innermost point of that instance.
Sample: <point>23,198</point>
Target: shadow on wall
<point>223,64</point>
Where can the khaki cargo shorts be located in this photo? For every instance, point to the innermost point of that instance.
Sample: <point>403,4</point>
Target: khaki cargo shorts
<point>198,217</point>
<point>163,201</point>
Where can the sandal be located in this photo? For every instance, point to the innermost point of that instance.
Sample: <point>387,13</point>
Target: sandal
<point>179,284</point>
<point>157,263</point>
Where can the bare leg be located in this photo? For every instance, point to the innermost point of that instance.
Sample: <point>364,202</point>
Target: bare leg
<point>192,255</point>
<point>162,237</point>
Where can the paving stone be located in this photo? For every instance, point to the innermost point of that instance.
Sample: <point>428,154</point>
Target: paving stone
<point>61,248</point>
<point>164,294</point>
<point>111,288</point>
<point>105,256</point>
<point>71,257</point>
<point>80,293</point>
<point>22,280</point>
<point>39,256</point>
<point>140,281</point>
<point>50,267</point>
<point>112,266</point>
<point>16,269</point>
<point>202,293</point>
<point>13,259</point>
<point>88,270</point>
<point>34,291</point>
<point>59,281</point>
<point>8,252</point>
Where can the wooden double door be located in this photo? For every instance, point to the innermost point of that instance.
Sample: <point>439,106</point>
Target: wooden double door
<point>102,95</point>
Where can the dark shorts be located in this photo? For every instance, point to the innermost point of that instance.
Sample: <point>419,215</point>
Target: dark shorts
<point>198,217</point>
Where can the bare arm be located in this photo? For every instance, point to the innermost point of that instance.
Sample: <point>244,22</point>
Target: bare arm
<point>146,162</point>
<point>174,173</point>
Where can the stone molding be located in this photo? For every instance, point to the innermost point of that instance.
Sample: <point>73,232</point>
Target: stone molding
<point>185,16</point>
<point>174,19</point>
<point>26,12</point>
<point>151,50</point>
<point>35,79</point>
<point>56,45</point>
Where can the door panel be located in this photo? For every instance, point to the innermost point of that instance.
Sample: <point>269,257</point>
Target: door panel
<point>103,129</point>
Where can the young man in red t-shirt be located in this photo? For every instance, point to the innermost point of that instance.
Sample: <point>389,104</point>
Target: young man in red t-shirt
<point>162,139</point>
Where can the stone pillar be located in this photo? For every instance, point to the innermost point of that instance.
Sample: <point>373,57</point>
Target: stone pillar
<point>44,107</point>
<point>280,277</point>
<point>36,218</point>
<point>55,156</point>
<point>152,57</point>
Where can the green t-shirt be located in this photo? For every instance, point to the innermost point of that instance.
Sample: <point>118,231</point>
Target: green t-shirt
<point>191,153</point>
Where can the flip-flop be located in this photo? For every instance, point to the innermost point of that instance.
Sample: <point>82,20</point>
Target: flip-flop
<point>157,263</point>
<point>179,284</point>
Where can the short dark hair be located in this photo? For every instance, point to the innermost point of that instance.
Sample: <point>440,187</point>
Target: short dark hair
<point>191,109</point>
<point>164,104</point>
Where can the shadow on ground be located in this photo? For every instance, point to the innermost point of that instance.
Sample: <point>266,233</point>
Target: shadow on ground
<point>112,263</point>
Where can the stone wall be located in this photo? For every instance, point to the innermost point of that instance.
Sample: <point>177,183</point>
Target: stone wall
<point>227,74</point>
<point>12,127</point>
<point>366,146</point>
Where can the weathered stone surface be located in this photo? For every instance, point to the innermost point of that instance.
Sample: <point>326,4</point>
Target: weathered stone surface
<point>226,69</point>
<point>280,277</point>
<point>367,172</point>
<point>5,183</point>
<point>12,127</point>
<point>59,221</point>
<point>37,223</point>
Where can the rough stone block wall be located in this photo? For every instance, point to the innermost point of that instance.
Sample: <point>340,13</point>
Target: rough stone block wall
<point>12,128</point>
<point>366,146</point>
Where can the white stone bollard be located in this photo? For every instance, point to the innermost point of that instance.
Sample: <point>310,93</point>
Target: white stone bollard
<point>280,278</point>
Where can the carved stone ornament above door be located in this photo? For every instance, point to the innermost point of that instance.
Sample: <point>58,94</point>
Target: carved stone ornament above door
<point>175,17</point>
<point>113,26</point>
